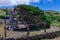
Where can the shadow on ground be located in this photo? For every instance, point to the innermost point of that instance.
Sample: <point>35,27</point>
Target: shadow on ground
<point>25,29</point>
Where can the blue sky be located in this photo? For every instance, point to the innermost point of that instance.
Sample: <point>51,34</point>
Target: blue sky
<point>49,5</point>
<point>42,4</point>
<point>55,5</point>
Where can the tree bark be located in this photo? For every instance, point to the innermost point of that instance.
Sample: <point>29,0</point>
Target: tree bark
<point>28,30</point>
<point>44,27</point>
<point>5,28</point>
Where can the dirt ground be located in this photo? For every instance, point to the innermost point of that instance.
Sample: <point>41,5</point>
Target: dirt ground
<point>17,34</point>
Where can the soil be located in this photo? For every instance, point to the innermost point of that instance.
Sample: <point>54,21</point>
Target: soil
<point>53,31</point>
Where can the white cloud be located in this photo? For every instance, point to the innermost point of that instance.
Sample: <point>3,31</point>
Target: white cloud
<point>16,2</point>
<point>6,2</point>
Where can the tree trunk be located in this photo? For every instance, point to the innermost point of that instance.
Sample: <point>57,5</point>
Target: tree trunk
<point>44,27</point>
<point>28,30</point>
<point>4,28</point>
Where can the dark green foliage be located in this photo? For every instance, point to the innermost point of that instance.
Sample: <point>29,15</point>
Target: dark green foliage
<point>32,9</point>
<point>5,10</point>
<point>33,27</point>
<point>6,13</point>
<point>4,17</point>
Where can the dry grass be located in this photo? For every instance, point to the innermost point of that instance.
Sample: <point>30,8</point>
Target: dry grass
<point>57,24</point>
<point>1,30</point>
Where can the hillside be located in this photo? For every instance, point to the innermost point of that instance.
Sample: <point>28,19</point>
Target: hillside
<point>53,16</point>
<point>50,11</point>
<point>2,12</point>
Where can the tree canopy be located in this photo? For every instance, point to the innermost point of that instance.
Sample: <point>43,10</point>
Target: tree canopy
<point>34,11</point>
